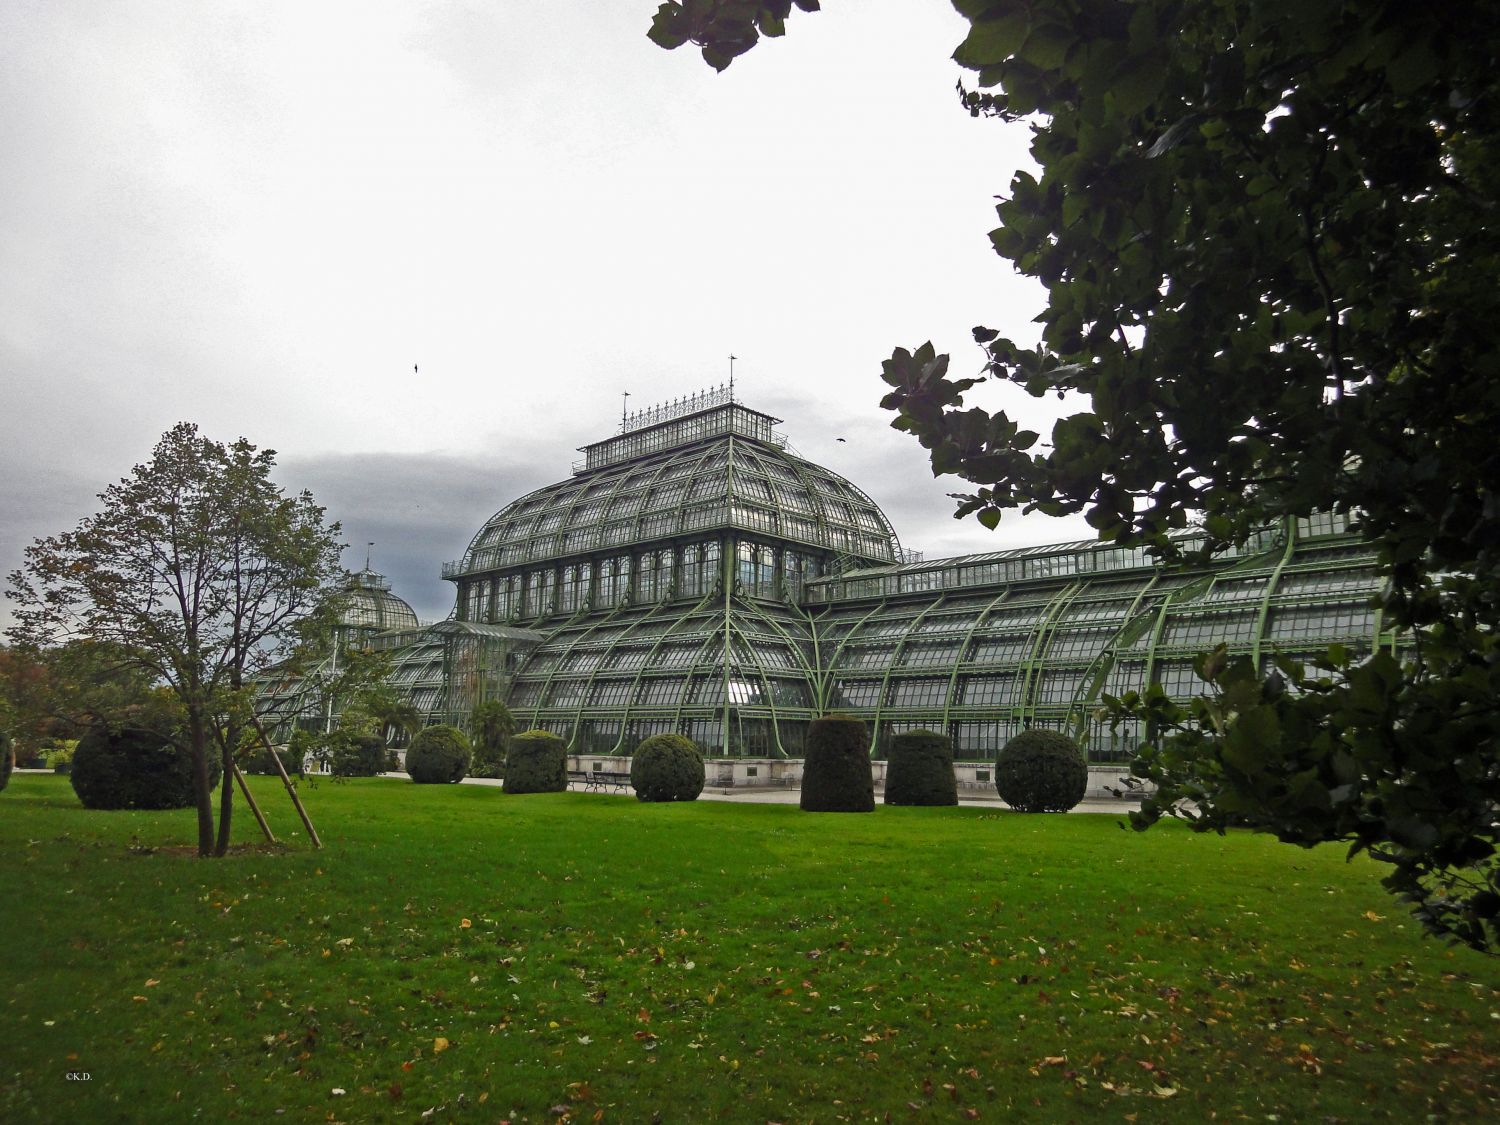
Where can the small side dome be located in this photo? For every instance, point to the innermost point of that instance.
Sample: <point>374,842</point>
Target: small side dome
<point>370,605</point>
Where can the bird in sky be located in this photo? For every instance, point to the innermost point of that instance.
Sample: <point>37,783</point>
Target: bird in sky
<point>414,369</point>
<point>841,439</point>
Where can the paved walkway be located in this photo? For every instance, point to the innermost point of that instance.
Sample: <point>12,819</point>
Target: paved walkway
<point>769,795</point>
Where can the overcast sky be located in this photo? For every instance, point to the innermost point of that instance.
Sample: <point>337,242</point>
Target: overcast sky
<point>261,216</point>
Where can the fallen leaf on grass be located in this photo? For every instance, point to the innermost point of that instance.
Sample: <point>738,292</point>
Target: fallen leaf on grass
<point>464,923</point>
<point>439,1044</point>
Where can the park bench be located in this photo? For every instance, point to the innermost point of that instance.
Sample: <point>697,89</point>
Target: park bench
<point>601,779</point>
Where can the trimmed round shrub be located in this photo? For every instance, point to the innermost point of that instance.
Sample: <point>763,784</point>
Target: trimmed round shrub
<point>667,767</point>
<point>134,769</point>
<point>1041,771</point>
<point>363,755</point>
<point>7,760</point>
<point>836,774</point>
<point>919,770</point>
<point>437,755</point>
<point>537,763</point>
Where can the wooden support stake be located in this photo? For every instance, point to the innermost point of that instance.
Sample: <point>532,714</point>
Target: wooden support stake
<point>285,780</point>
<point>249,800</point>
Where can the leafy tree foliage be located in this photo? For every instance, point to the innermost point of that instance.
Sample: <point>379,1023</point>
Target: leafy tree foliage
<point>63,691</point>
<point>198,569</point>
<point>1267,231</point>
<point>492,727</point>
<point>724,29</point>
<point>374,706</point>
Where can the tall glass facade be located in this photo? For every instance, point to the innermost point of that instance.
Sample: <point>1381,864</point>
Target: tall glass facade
<point>694,574</point>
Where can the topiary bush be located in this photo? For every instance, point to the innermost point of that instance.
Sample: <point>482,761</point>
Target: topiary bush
<point>362,754</point>
<point>134,769</point>
<point>1041,771</point>
<point>537,763</point>
<point>667,767</point>
<point>836,773</point>
<point>919,770</point>
<point>437,755</point>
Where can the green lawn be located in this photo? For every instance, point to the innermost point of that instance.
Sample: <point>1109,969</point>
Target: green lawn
<point>585,957</point>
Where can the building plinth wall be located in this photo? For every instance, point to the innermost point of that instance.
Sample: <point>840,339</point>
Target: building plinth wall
<point>696,575</point>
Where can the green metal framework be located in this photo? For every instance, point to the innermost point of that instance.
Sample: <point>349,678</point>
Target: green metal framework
<point>696,575</point>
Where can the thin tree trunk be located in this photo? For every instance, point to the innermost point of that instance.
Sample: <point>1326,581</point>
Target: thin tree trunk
<point>197,746</point>
<point>226,802</point>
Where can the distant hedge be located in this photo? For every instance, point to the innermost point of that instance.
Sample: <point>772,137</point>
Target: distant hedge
<point>537,763</point>
<point>437,755</point>
<point>134,769</point>
<point>836,774</point>
<point>919,770</point>
<point>667,767</point>
<point>1041,771</point>
<point>293,757</point>
<point>359,755</point>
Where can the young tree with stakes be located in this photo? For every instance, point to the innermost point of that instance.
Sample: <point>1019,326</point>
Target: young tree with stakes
<point>202,571</point>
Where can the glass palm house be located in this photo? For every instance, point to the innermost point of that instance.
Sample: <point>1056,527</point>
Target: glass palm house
<point>694,574</point>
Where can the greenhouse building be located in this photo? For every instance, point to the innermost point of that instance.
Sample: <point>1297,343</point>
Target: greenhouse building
<point>694,574</point>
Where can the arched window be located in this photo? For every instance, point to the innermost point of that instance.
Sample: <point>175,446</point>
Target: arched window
<point>711,576</point>
<point>645,579</point>
<point>690,582</point>
<point>664,574</point>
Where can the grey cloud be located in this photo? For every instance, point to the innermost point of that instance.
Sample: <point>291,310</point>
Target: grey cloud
<point>419,509</point>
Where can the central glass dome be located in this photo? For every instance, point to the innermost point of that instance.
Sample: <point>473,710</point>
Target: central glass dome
<point>717,469</point>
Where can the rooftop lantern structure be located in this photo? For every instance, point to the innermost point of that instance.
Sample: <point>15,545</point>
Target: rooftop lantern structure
<point>667,574</point>
<point>370,607</point>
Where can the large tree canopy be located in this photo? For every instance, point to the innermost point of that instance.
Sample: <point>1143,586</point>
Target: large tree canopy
<point>1268,232</point>
<point>199,570</point>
